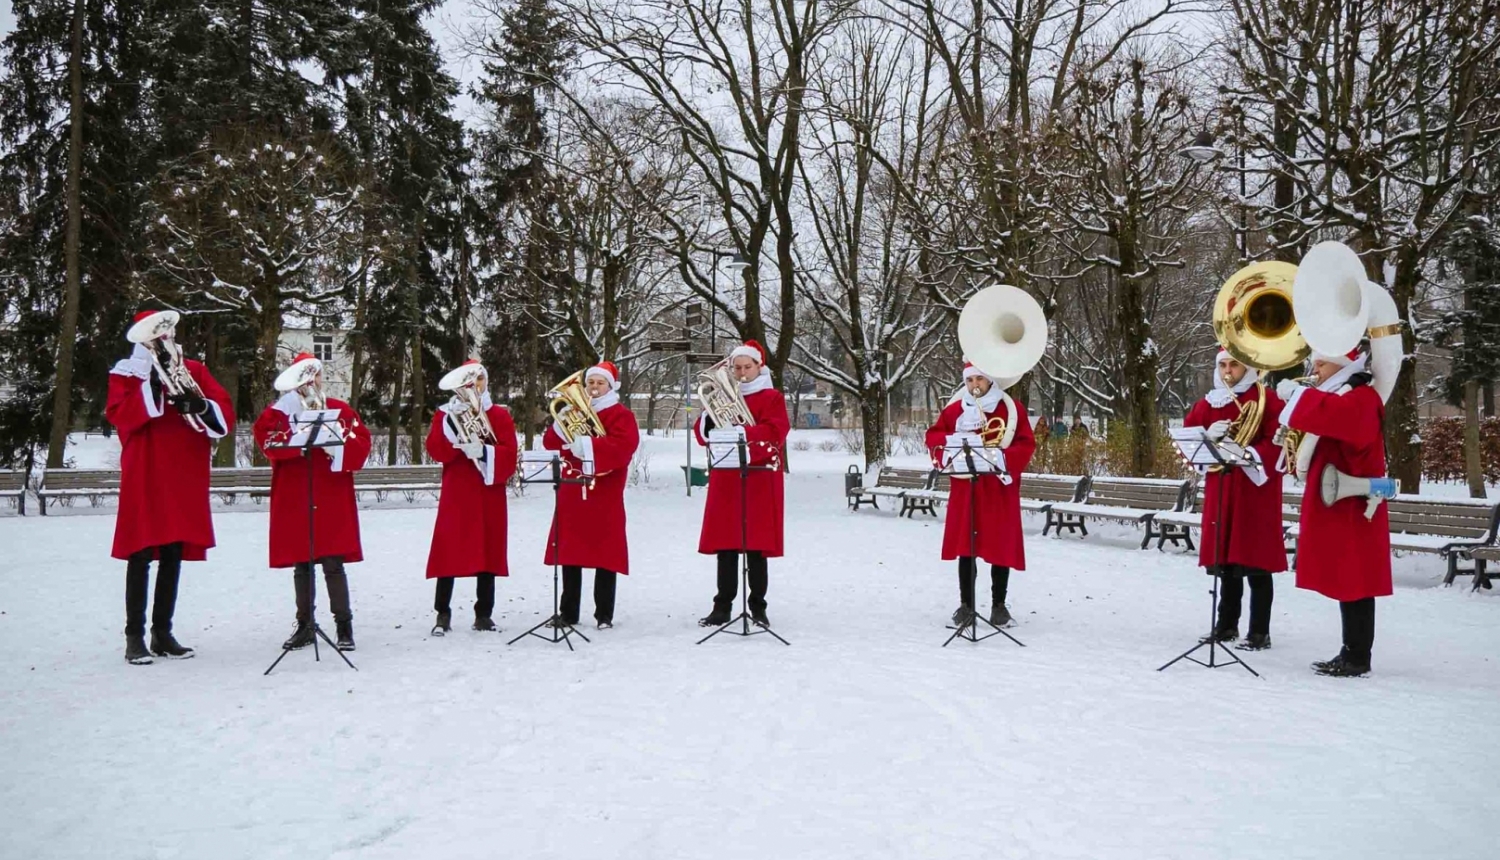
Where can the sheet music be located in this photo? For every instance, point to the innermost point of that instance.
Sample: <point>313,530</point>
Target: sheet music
<point>986,461</point>
<point>1198,450</point>
<point>330,433</point>
<point>724,448</point>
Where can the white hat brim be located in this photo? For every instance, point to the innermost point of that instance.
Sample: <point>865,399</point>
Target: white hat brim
<point>152,327</point>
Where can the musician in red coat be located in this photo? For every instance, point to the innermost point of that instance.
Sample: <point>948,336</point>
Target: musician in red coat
<point>475,440</point>
<point>976,414</point>
<point>763,491</point>
<point>1340,553</point>
<point>169,412</point>
<point>588,526</point>
<point>336,517</point>
<point>1251,547</point>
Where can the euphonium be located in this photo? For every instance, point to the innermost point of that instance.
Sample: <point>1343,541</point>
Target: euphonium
<point>175,378</point>
<point>573,410</point>
<point>719,392</point>
<point>303,379</point>
<point>468,414</point>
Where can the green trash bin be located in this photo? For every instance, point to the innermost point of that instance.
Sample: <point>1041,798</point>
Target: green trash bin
<point>699,477</point>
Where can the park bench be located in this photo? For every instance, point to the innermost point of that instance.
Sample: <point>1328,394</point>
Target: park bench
<point>915,488</point>
<point>13,487</point>
<point>1451,528</point>
<point>1135,500</point>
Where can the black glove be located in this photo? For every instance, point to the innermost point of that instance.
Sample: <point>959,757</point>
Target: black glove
<point>708,424</point>
<point>188,403</point>
<point>155,386</point>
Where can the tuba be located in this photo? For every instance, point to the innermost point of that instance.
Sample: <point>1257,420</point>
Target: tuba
<point>1255,323</point>
<point>573,410</point>
<point>467,411</point>
<point>1337,307</point>
<point>1003,332</point>
<point>719,392</point>
<point>303,379</point>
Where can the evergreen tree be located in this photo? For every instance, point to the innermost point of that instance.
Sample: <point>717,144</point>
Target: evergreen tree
<point>524,61</point>
<point>36,136</point>
<point>410,310</point>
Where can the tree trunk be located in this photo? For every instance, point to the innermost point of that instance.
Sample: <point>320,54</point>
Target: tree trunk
<point>67,335</point>
<point>393,416</point>
<point>267,336</point>
<point>1403,437</point>
<point>1473,467</point>
<point>872,420</point>
<point>228,374</point>
<point>418,399</point>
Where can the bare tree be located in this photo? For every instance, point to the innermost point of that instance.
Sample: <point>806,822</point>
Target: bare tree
<point>1371,116</point>
<point>860,277</point>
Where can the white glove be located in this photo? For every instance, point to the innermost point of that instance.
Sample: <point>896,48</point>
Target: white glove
<point>582,448</point>
<point>472,450</point>
<point>1218,430</point>
<point>1286,389</point>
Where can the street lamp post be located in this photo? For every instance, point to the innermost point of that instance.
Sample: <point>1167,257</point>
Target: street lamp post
<point>1202,151</point>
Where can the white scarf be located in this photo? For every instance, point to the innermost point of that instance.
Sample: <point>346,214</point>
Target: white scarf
<point>758,384</point>
<point>975,410</point>
<point>1222,395</point>
<point>610,398</point>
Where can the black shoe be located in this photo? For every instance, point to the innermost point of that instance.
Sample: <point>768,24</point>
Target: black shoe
<point>300,638</point>
<point>163,645</point>
<point>1255,642</point>
<point>135,650</point>
<point>444,624</point>
<point>485,624</point>
<point>1222,633</point>
<point>345,635</point>
<point>999,615</point>
<point>963,616</point>
<point>717,618</point>
<point>759,617</point>
<point>1342,666</point>
<point>557,622</point>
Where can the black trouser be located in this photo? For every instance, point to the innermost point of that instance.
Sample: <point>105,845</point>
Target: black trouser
<point>729,580</point>
<point>333,577</point>
<point>1232,592</point>
<point>1359,628</point>
<point>484,591</point>
<point>168,570</point>
<point>604,594</point>
<point>967,573</point>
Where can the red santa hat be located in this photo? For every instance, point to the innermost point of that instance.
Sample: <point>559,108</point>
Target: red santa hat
<point>150,325</point>
<point>1341,360</point>
<point>607,370</point>
<point>467,373</point>
<point>300,372</point>
<point>970,371</point>
<point>751,349</point>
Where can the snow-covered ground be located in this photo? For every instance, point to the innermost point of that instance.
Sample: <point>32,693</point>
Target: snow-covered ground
<point>863,739</point>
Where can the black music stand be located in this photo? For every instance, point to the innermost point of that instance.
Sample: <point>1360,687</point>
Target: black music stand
<point>316,438</point>
<point>961,462</point>
<point>745,630</point>
<point>1199,450</point>
<point>559,630</point>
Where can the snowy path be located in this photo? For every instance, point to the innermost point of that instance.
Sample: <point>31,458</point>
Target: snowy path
<point>864,739</point>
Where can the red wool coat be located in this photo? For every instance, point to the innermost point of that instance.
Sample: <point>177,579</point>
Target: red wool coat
<point>591,526</point>
<point>1252,515</point>
<point>997,506</point>
<point>764,490</point>
<point>470,535</point>
<point>1340,554</point>
<point>164,463</point>
<point>336,518</point>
